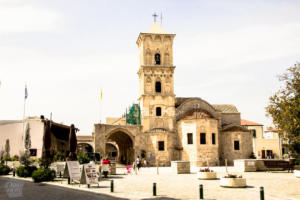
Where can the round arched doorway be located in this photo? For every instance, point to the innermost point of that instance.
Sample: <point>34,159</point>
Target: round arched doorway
<point>84,147</point>
<point>125,146</point>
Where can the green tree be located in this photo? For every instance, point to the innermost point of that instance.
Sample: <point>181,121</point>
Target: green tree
<point>284,108</point>
<point>7,150</point>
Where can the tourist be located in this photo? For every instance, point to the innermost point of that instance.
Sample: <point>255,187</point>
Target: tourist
<point>138,163</point>
<point>145,163</point>
<point>105,166</point>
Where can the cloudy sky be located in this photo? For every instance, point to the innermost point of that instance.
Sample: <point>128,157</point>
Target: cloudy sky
<point>226,52</point>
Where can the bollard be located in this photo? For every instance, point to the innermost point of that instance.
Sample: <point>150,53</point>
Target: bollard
<point>14,172</point>
<point>88,185</point>
<point>69,180</point>
<point>59,174</point>
<point>201,191</point>
<point>262,193</point>
<point>154,189</point>
<point>112,186</point>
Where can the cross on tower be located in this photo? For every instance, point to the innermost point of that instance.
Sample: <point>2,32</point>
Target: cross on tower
<point>154,16</point>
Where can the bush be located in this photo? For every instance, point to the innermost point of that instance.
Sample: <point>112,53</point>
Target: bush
<point>43,174</point>
<point>15,158</point>
<point>25,171</point>
<point>4,169</point>
<point>83,158</point>
<point>25,158</point>
<point>59,156</point>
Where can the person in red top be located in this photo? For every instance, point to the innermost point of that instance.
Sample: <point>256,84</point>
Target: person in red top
<point>105,161</point>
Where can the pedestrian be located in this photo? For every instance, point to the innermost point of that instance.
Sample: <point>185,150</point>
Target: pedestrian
<point>138,162</point>
<point>145,163</point>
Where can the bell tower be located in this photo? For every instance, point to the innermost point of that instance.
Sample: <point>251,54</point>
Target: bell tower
<point>156,79</point>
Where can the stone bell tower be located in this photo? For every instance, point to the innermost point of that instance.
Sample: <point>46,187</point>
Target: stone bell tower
<point>156,79</point>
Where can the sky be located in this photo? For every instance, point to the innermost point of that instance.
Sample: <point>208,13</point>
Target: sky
<point>66,51</point>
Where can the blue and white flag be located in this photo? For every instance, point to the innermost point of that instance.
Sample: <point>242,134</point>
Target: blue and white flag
<point>26,92</point>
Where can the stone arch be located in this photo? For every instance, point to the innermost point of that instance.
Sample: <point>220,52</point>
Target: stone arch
<point>148,56</point>
<point>85,147</point>
<point>125,142</point>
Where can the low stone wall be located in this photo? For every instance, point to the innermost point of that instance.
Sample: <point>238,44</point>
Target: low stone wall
<point>180,167</point>
<point>245,165</point>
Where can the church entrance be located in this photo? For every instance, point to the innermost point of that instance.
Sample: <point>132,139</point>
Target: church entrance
<point>124,153</point>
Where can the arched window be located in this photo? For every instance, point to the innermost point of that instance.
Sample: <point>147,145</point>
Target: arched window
<point>158,111</point>
<point>158,86</point>
<point>157,59</point>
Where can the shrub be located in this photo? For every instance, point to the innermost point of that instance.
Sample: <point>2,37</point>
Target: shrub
<point>59,156</point>
<point>83,158</point>
<point>25,158</point>
<point>252,156</point>
<point>4,169</point>
<point>232,176</point>
<point>43,174</point>
<point>15,158</point>
<point>25,171</point>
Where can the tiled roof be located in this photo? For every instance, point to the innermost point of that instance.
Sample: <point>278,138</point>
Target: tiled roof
<point>155,28</point>
<point>249,123</point>
<point>226,108</point>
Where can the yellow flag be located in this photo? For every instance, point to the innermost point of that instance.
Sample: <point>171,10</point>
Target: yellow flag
<point>101,95</point>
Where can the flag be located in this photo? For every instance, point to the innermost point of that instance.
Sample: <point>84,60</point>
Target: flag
<point>26,92</point>
<point>101,95</point>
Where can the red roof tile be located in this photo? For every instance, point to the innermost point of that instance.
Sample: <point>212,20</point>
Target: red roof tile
<point>249,123</point>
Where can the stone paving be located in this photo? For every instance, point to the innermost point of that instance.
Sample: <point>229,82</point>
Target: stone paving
<point>277,185</point>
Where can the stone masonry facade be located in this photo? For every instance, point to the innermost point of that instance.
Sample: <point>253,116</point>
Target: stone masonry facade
<point>173,128</point>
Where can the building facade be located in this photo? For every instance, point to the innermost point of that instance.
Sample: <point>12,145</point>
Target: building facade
<point>172,128</point>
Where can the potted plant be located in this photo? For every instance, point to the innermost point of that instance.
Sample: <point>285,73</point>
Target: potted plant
<point>234,181</point>
<point>206,174</point>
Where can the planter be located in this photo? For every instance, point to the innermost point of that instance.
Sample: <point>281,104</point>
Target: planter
<point>297,173</point>
<point>207,175</point>
<point>233,182</point>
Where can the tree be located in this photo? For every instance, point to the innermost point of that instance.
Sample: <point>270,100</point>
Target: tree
<point>7,150</point>
<point>27,138</point>
<point>284,107</point>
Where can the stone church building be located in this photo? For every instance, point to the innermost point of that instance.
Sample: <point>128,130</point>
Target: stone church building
<point>171,128</point>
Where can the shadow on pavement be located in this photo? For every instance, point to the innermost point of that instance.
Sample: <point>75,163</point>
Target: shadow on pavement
<point>25,190</point>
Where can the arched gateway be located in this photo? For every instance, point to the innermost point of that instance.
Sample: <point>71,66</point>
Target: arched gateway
<point>122,137</point>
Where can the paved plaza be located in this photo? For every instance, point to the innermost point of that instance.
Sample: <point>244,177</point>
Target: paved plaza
<point>277,185</point>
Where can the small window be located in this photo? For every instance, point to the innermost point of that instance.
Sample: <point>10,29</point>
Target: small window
<point>253,131</point>
<point>161,146</point>
<point>202,138</point>
<point>213,138</point>
<point>158,86</point>
<point>158,111</point>
<point>190,138</point>
<point>32,152</point>
<point>157,59</point>
<point>236,145</point>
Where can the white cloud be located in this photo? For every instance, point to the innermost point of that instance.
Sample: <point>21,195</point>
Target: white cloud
<point>18,17</point>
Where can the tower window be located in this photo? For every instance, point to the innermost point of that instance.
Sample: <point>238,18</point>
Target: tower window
<point>157,86</point>
<point>161,146</point>
<point>158,111</point>
<point>202,138</point>
<point>253,133</point>
<point>213,138</point>
<point>236,145</point>
<point>190,138</point>
<point>157,59</point>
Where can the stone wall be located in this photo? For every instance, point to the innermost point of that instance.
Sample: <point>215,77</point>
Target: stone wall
<point>227,145</point>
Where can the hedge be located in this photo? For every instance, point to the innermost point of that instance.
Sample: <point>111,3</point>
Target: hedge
<point>4,169</point>
<point>43,174</point>
<point>25,171</point>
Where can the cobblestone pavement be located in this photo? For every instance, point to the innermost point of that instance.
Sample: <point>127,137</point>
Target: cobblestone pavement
<point>277,185</point>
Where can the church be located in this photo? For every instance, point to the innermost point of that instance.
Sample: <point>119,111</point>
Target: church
<point>162,127</point>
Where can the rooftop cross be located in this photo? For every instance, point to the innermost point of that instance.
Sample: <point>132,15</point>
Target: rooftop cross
<point>154,16</point>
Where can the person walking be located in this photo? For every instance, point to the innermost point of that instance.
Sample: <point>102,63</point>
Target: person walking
<point>138,163</point>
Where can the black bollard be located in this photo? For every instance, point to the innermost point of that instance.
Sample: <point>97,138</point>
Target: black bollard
<point>14,172</point>
<point>112,186</point>
<point>262,193</point>
<point>201,191</point>
<point>69,180</point>
<point>59,174</point>
<point>154,189</point>
<point>88,185</point>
